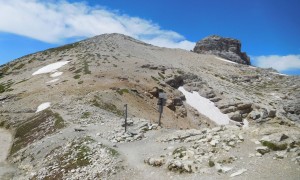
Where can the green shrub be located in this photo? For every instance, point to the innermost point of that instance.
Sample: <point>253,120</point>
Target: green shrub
<point>77,76</point>
<point>122,91</point>
<point>85,115</point>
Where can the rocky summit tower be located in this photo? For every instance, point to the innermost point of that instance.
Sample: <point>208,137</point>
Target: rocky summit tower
<point>227,48</point>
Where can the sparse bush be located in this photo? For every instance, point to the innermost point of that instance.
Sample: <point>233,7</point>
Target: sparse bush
<point>85,115</point>
<point>77,76</point>
<point>122,91</point>
<point>154,78</point>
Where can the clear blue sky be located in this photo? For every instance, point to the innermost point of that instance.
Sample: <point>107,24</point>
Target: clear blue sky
<point>268,29</point>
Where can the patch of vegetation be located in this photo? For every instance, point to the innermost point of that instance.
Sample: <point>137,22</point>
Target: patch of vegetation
<point>211,163</point>
<point>115,65</point>
<point>108,107</point>
<point>36,128</point>
<point>85,115</point>
<point>22,81</point>
<point>78,71</point>
<point>122,91</point>
<point>86,67</point>
<point>5,87</point>
<point>20,66</point>
<point>179,151</point>
<point>180,71</point>
<point>154,78</point>
<point>274,147</point>
<point>59,121</point>
<point>5,69</point>
<point>31,60</point>
<point>113,152</point>
<point>81,159</point>
<point>77,76</point>
<point>161,75</point>
<point>80,82</point>
<point>62,48</point>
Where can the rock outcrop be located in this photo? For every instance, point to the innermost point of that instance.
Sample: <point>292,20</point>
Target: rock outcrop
<point>227,48</point>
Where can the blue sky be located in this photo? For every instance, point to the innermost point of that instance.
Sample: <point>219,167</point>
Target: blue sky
<point>268,29</point>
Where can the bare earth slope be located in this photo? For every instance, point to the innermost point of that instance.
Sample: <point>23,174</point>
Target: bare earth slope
<point>80,89</point>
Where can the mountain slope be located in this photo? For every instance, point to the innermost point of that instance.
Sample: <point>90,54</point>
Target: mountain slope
<point>91,81</point>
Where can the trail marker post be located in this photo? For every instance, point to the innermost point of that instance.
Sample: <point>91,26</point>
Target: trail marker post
<point>125,114</point>
<point>162,97</point>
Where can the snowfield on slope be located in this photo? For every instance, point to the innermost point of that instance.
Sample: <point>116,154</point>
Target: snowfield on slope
<point>226,60</point>
<point>56,74</point>
<point>50,68</point>
<point>43,107</point>
<point>205,107</point>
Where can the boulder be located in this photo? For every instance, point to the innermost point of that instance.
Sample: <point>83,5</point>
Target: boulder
<point>155,161</point>
<point>154,92</point>
<point>280,154</point>
<point>181,166</point>
<point>235,117</point>
<point>272,113</point>
<point>175,81</point>
<point>227,48</point>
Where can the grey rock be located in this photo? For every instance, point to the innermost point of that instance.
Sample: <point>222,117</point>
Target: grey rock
<point>264,113</point>
<point>254,115</point>
<point>262,150</point>
<point>236,117</point>
<point>155,161</point>
<point>272,113</point>
<point>175,81</point>
<point>280,154</point>
<point>227,48</point>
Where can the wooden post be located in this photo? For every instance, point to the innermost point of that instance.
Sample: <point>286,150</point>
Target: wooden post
<point>161,102</point>
<point>125,114</point>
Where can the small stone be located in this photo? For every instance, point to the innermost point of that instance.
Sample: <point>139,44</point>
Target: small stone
<point>262,150</point>
<point>178,164</point>
<point>258,155</point>
<point>227,148</point>
<point>280,154</point>
<point>231,143</point>
<point>214,142</point>
<point>241,138</point>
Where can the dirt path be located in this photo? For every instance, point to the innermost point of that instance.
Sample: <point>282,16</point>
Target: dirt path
<point>5,143</point>
<point>136,152</point>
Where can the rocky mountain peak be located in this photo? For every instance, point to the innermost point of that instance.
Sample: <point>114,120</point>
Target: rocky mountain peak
<point>227,48</point>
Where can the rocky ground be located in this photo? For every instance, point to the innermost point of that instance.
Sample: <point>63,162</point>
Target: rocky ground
<point>81,134</point>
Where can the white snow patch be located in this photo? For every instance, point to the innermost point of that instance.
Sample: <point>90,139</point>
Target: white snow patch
<point>205,107</point>
<point>279,74</point>
<point>56,74</point>
<point>253,67</point>
<point>225,60</point>
<point>43,106</point>
<point>239,172</point>
<point>50,68</point>
<point>246,124</point>
<point>52,81</point>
